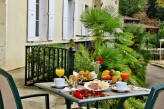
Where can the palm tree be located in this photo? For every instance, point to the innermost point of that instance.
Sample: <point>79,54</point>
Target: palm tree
<point>99,21</point>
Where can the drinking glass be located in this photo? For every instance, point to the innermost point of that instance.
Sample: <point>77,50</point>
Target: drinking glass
<point>74,81</point>
<point>59,72</point>
<point>125,76</point>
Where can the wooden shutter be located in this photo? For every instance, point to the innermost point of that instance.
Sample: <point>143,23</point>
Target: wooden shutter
<point>65,20</point>
<point>51,22</point>
<point>43,18</point>
<point>76,18</point>
<point>31,20</point>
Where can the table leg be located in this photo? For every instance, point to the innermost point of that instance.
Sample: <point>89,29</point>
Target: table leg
<point>121,102</point>
<point>80,106</point>
<point>68,104</point>
<point>88,106</point>
<point>97,105</point>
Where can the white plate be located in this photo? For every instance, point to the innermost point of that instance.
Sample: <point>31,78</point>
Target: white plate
<point>123,90</point>
<point>106,84</point>
<point>53,85</point>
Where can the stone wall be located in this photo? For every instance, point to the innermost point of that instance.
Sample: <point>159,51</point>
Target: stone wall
<point>2,32</point>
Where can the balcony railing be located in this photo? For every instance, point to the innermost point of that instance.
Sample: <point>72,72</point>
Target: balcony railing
<point>41,61</point>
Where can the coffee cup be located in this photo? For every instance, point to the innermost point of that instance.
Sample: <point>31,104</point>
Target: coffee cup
<point>59,82</point>
<point>121,85</point>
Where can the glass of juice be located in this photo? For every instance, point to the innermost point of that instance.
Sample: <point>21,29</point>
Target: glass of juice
<point>74,81</point>
<point>125,76</point>
<point>60,72</point>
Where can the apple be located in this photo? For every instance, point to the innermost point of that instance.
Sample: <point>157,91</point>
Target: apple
<point>117,73</point>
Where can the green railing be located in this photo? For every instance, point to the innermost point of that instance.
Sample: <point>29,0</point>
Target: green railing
<point>41,61</point>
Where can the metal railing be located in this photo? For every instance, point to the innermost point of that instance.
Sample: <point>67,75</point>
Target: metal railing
<point>42,61</point>
<point>156,54</point>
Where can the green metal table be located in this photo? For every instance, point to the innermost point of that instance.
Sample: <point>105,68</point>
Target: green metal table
<point>109,94</point>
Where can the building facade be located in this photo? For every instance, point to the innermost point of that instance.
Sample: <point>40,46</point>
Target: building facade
<point>31,22</point>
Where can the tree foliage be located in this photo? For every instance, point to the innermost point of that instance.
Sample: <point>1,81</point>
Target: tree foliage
<point>82,59</point>
<point>154,10</point>
<point>160,3</point>
<point>130,7</point>
<point>161,34</point>
<point>142,40</point>
<point>144,19</point>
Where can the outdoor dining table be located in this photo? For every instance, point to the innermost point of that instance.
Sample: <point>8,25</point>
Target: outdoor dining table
<point>109,94</point>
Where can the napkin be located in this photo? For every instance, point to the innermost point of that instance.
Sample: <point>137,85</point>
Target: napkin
<point>135,88</point>
<point>68,89</point>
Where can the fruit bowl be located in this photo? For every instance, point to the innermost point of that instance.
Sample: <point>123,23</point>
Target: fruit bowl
<point>111,76</point>
<point>85,75</point>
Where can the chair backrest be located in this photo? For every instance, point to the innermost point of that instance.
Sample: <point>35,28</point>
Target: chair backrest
<point>156,98</point>
<point>1,102</point>
<point>9,95</point>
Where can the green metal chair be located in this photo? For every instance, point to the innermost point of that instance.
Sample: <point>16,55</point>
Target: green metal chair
<point>155,98</point>
<point>9,96</point>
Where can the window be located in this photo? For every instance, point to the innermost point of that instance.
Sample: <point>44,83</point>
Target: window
<point>84,30</point>
<point>70,19</point>
<point>40,20</point>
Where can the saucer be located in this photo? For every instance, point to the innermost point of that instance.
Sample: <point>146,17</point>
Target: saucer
<point>53,85</point>
<point>122,90</point>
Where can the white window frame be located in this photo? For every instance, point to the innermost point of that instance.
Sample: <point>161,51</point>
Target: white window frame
<point>46,20</point>
<point>67,24</point>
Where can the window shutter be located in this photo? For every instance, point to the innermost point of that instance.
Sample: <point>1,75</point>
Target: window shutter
<point>51,22</point>
<point>43,20</point>
<point>83,28</point>
<point>65,20</point>
<point>76,18</point>
<point>31,20</point>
